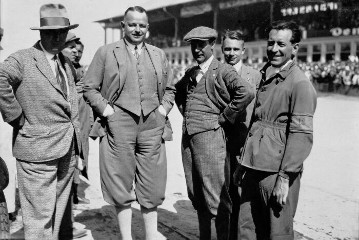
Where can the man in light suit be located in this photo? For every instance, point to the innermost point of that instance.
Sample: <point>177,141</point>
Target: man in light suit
<point>209,96</point>
<point>129,86</point>
<point>39,99</point>
<point>233,51</point>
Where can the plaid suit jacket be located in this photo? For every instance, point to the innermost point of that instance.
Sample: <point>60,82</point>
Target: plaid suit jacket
<point>29,89</point>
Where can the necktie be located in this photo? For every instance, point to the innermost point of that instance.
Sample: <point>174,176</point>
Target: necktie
<point>60,76</point>
<point>195,72</point>
<point>136,52</point>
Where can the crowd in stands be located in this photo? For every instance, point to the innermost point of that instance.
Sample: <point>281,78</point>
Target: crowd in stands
<point>334,76</point>
<point>340,77</point>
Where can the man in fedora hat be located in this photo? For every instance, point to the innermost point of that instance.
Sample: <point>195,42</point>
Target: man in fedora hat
<point>209,96</point>
<point>39,99</point>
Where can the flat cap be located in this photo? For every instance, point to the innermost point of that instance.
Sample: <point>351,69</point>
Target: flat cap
<point>200,33</point>
<point>71,37</point>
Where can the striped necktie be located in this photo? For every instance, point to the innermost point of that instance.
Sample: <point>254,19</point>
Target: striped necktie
<point>137,55</point>
<point>60,76</point>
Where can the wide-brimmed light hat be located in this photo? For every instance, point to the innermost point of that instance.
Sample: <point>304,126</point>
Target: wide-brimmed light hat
<point>54,16</point>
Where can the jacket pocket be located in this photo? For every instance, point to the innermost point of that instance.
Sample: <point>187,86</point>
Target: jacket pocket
<point>35,131</point>
<point>268,150</point>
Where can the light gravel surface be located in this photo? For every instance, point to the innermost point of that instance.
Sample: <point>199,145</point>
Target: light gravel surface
<point>328,205</point>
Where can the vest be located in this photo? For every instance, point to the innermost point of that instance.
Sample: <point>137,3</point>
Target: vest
<point>200,114</point>
<point>139,93</point>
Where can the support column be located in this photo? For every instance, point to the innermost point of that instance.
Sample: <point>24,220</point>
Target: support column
<point>337,52</point>
<point>323,50</point>
<point>215,14</point>
<point>353,48</point>
<point>310,53</point>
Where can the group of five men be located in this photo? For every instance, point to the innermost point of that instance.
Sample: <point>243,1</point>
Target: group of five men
<point>129,85</point>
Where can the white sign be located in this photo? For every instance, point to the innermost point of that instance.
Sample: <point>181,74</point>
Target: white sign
<point>344,32</point>
<point>322,7</point>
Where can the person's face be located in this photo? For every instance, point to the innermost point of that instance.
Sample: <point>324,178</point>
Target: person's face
<point>279,48</point>
<point>70,51</point>
<point>201,50</point>
<point>80,50</point>
<point>53,40</point>
<point>233,50</point>
<point>135,27</point>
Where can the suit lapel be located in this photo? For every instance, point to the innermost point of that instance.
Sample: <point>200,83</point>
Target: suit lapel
<point>44,67</point>
<point>121,57</point>
<point>156,61</point>
<point>211,75</point>
<point>70,78</point>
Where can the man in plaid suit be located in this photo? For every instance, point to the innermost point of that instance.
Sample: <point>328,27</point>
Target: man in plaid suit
<point>39,99</point>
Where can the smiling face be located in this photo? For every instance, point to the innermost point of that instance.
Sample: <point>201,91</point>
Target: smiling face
<point>202,50</point>
<point>233,50</point>
<point>135,27</point>
<point>279,48</point>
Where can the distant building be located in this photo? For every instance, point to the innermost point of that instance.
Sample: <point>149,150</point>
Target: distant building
<point>330,28</point>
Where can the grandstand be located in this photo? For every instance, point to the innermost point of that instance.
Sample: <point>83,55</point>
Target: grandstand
<point>330,28</point>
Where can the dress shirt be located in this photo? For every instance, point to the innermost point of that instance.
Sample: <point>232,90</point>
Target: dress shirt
<point>132,48</point>
<point>50,59</point>
<point>204,67</point>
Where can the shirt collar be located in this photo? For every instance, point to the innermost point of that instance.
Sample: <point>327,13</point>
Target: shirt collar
<point>283,71</point>
<point>205,65</point>
<point>132,46</point>
<point>49,56</point>
<point>238,66</point>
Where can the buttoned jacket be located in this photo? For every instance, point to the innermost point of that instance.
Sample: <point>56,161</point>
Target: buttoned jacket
<point>29,90</point>
<point>106,75</point>
<point>225,88</point>
<point>281,131</point>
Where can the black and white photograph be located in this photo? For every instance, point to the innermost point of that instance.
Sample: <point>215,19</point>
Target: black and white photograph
<point>179,119</point>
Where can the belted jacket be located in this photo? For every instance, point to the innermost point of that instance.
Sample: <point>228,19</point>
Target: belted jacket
<point>281,129</point>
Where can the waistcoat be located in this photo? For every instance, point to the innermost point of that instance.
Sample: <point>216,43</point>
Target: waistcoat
<point>139,93</point>
<point>200,113</point>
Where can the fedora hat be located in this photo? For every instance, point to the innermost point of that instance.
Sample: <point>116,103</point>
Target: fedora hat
<point>54,16</point>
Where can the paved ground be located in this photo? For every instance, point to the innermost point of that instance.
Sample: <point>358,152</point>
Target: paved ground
<point>328,205</point>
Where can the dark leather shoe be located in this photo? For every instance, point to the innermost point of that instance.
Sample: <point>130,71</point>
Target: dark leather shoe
<point>76,233</point>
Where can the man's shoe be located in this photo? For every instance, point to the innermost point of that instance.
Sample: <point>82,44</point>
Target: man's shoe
<point>78,233</point>
<point>83,200</point>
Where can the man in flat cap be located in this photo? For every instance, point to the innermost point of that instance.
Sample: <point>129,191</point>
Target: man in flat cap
<point>209,96</point>
<point>129,86</point>
<point>39,99</point>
